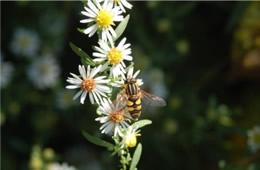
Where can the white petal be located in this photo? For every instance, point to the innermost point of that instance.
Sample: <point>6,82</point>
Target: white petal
<point>87,20</point>
<point>126,4</point>
<point>104,67</point>
<point>100,77</point>
<point>77,94</point>
<point>83,97</point>
<point>95,71</point>
<point>122,7</point>
<point>98,55</point>
<point>128,57</point>
<point>89,29</point>
<point>77,77</point>
<point>100,50</point>
<point>126,46</point>
<point>102,81</point>
<point>118,18</point>
<point>82,71</point>
<point>92,7</point>
<point>99,59</point>
<point>109,128</point>
<point>72,86</point>
<point>130,72</point>
<point>112,31</point>
<point>88,71</point>
<point>91,98</point>
<point>121,43</point>
<point>93,31</point>
<point>90,11</point>
<point>103,88</point>
<point>104,125</point>
<point>136,73</point>
<point>88,14</point>
<point>95,97</point>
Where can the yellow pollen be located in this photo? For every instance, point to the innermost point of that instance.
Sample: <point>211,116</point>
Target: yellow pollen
<point>88,85</point>
<point>117,116</point>
<point>131,140</point>
<point>117,1</point>
<point>104,19</point>
<point>114,56</point>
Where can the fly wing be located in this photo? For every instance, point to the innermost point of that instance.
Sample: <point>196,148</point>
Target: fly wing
<point>120,101</point>
<point>152,100</point>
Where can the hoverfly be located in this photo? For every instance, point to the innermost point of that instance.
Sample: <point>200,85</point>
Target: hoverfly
<point>132,96</point>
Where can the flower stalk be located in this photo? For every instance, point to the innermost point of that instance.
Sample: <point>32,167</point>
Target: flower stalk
<point>103,76</point>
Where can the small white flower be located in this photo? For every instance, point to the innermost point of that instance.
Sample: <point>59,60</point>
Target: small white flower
<point>25,43</point>
<point>130,74</point>
<point>101,18</point>
<point>63,166</point>
<point>44,72</point>
<point>155,82</point>
<point>113,56</point>
<point>130,139</point>
<point>64,98</point>
<point>89,84</point>
<point>6,70</point>
<point>114,117</point>
<point>254,138</point>
<point>122,4</point>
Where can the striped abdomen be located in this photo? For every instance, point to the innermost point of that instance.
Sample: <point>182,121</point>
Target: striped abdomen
<point>134,99</point>
<point>134,106</point>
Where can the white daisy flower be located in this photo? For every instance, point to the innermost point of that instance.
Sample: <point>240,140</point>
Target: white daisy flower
<point>130,74</point>
<point>155,82</point>
<point>25,43</point>
<point>114,118</point>
<point>89,84</point>
<point>63,166</point>
<point>44,72</point>
<point>101,18</point>
<point>6,70</point>
<point>254,138</point>
<point>113,56</point>
<point>64,98</point>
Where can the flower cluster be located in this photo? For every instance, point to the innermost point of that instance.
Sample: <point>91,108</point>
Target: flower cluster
<point>106,70</point>
<point>108,57</point>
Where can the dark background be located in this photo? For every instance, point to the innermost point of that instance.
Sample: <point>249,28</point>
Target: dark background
<point>212,95</point>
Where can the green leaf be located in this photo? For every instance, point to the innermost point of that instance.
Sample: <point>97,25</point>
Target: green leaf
<point>85,3</point>
<point>136,157</point>
<point>81,30</point>
<point>121,27</point>
<point>128,67</point>
<point>142,123</point>
<point>85,59</point>
<point>98,141</point>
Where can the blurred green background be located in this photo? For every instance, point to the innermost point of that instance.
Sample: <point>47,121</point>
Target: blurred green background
<point>203,58</point>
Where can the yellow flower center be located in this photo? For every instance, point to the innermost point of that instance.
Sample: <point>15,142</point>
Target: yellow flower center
<point>24,42</point>
<point>117,1</point>
<point>117,116</point>
<point>131,140</point>
<point>256,138</point>
<point>44,69</point>
<point>88,85</point>
<point>114,56</point>
<point>104,19</point>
